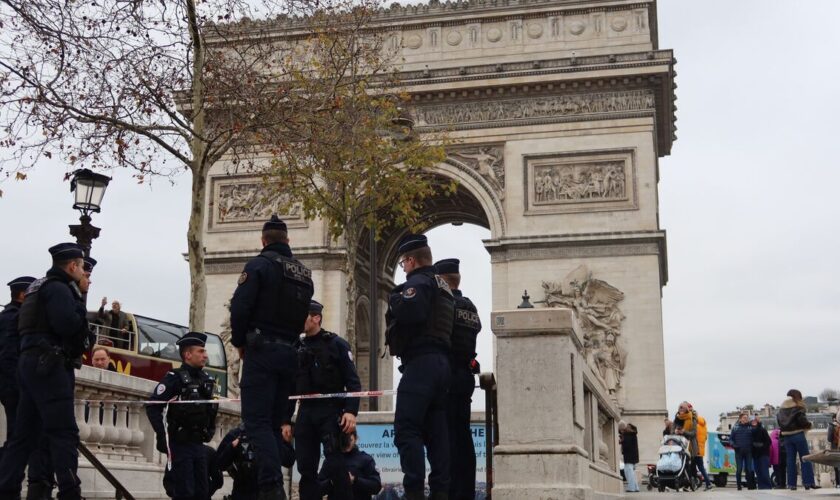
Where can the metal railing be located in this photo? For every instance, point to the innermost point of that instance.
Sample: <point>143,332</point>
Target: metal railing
<point>114,337</point>
<point>487,382</point>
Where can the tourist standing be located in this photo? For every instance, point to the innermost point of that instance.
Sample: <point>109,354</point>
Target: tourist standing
<point>793,422</point>
<point>741,439</point>
<point>761,454</point>
<point>777,458</point>
<point>629,438</point>
<point>699,460</point>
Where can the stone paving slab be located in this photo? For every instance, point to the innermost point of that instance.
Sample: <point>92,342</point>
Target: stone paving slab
<point>732,493</point>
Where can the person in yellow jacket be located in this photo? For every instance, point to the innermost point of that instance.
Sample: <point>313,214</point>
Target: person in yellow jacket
<point>702,436</point>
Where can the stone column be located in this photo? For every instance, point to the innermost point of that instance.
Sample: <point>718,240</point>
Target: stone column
<point>552,411</point>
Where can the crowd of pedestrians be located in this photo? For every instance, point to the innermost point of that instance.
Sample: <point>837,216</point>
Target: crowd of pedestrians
<point>757,450</point>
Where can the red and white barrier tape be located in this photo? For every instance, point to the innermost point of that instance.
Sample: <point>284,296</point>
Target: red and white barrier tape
<point>335,395</point>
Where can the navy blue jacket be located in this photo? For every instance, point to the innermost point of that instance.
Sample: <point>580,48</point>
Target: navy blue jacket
<point>259,300</point>
<point>246,487</point>
<point>168,388</point>
<point>64,307</point>
<point>741,437</point>
<point>343,358</point>
<point>367,481</point>
<point>410,305</point>
<point>9,344</point>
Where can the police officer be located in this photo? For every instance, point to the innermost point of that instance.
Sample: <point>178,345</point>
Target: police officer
<point>9,346</point>
<point>188,425</point>
<point>420,316</point>
<point>361,469</point>
<point>40,474</point>
<point>236,456</point>
<point>54,334</point>
<point>267,313</point>
<point>464,367</point>
<point>325,366</point>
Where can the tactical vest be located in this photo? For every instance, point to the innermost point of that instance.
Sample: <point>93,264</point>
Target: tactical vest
<point>192,423</point>
<point>296,291</point>
<point>318,371</point>
<point>442,316</point>
<point>465,330</point>
<point>30,318</point>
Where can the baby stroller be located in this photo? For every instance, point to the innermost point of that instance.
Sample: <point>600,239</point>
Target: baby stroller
<point>672,469</point>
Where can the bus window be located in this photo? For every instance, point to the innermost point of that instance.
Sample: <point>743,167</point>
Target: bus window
<point>158,338</point>
<point>215,352</point>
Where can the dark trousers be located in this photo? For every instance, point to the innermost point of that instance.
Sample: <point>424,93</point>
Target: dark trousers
<point>461,449</point>
<point>45,408</point>
<point>420,421</point>
<point>267,378</point>
<point>188,479</point>
<point>762,471</point>
<point>743,463</point>
<point>39,465</point>
<point>701,466</point>
<point>317,425</point>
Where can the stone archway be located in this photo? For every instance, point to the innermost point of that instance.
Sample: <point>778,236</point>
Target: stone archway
<point>560,110</point>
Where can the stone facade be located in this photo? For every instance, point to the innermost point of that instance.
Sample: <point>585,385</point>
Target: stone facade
<point>560,110</point>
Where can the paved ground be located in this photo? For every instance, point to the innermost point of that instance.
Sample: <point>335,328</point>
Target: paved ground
<point>731,493</point>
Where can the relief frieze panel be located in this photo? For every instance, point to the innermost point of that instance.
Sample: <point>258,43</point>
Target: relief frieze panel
<point>487,160</point>
<point>245,201</point>
<point>534,108</point>
<point>577,182</point>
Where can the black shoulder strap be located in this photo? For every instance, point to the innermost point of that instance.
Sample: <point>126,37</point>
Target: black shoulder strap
<point>184,375</point>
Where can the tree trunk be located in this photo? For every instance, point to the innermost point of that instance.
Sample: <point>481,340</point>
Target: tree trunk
<point>198,148</point>
<point>195,249</point>
<point>352,239</point>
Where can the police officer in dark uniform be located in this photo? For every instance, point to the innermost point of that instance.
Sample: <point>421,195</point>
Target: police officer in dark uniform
<point>464,368</point>
<point>420,316</point>
<point>9,350</point>
<point>267,313</point>
<point>361,469</point>
<point>325,366</point>
<point>188,425</point>
<point>54,333</point>
<point>236,455</point>
<point>41,477</point>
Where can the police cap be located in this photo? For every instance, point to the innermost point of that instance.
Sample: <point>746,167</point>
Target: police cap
<point>66,251</point>
<point>191,339</point>
<point>90,263</point>
<point>316,307</point>
<point>20,284</point>
<point>447,266</point>
<point>274,223</point>
<point>411,242</point>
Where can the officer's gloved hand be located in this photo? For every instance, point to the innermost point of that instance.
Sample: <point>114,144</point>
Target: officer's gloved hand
<point>160,443</point>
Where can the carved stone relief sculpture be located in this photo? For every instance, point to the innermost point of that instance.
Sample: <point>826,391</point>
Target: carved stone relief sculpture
<point>533,108</point>
<point>249,202</point>
<point>233,362</point>
<point>488,161</point>
<point>595,303</point>
<point>584,181</point>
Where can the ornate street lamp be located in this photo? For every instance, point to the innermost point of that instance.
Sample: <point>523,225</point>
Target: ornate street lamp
<point>89,188</point>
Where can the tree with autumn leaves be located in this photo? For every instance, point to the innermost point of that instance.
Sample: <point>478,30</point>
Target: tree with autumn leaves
<point>160,87</point>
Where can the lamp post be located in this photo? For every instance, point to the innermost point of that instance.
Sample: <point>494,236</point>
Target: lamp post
<point>89,188</point>
<point>402,129</point>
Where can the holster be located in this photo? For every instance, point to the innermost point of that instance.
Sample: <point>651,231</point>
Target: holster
<point>395,341</point>
<point>254,339</point>
<point>49,358</point>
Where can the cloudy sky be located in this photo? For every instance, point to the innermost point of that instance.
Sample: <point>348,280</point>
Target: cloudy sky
<point>749,198</point>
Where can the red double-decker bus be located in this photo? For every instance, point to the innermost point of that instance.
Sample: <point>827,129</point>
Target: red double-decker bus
<point>147,349</point>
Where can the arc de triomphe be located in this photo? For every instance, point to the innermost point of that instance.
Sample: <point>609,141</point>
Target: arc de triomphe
<point>561,110</point>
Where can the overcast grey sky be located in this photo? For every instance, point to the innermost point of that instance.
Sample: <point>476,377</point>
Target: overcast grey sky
<point>748,197</point>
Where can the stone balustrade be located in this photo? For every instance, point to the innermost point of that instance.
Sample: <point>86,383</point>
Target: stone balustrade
<point>113,425</point>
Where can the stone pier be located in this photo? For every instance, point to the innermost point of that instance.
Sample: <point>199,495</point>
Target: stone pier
<point>557,422</point>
